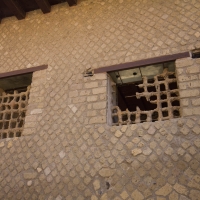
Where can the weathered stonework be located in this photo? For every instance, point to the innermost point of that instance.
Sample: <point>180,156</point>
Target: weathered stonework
<point>67,149</point>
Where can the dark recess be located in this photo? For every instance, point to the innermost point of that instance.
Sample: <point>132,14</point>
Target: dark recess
<point>19,8</point>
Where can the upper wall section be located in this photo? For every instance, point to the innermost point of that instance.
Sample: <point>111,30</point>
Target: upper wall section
<point>99,33</point>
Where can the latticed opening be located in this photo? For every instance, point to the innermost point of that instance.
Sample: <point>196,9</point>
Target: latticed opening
<point>146,94</point>
<point>14,95</point>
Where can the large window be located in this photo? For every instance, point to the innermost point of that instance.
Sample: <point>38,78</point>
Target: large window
<point>14,94</point>
<point>144,94</point>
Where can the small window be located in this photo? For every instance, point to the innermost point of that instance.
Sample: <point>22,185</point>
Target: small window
<point>144,94</point>
<point>195,53</point>
<point>14,94</point>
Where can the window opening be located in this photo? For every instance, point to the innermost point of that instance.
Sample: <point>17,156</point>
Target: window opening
<point>14,94</point>
<point>195,53</point>
<point>145,94</point>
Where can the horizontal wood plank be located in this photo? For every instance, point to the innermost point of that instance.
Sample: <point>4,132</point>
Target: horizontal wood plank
<point>140,63</point>
<point>23,71</point>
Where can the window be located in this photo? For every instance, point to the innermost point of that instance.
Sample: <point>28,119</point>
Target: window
<point>144,94</point>
<point>195,53</point>
<point>14,94</point>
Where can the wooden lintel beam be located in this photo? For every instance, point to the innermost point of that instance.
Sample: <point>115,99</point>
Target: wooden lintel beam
<point>44,5</point>
<point>23,71</point>
<point>72,2</point>
<point>141,63</point>
<point>15,7</point>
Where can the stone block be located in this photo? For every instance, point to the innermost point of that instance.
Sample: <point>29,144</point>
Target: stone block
<point>181,189</point>
<point>76,86</point>
<point>106,172</point>
<point>91,85</point>
<point>96,185</point>
<point>165,190</point>
<point>196,110</point>
<point>185,62</point>
<point>36,111</point>
<point>187,111</point>
<point>97,120</point>
<point>101,76</point>
<point>118,133</point>
<point>136,152</point>
<point>184,78</point>
<point>92,98</point>
<point>189,93</point>
<point>137,195</point>
<point>193,69</point>
<point>91,113</point>
<point>99,105</point>
<point>85,92</point>
<point>73,93</point>
<point>79,99</point>
<point>30,175</point>
<point>196,102</point>
<point>99,90</point>
<point>47,171</point>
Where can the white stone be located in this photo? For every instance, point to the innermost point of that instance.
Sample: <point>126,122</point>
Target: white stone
<point>47,171</point>
<point>74,109</point>
<point>36,111</point>
<point>29,183</point>
<point>62,154</point>
<point>39,170</point>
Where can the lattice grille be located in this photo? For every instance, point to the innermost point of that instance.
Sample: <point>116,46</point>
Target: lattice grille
<point>167,101</point>
<point>12,113</point>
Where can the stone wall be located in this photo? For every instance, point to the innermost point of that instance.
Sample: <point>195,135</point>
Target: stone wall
<point>188,72</point>
<point>68,151</point>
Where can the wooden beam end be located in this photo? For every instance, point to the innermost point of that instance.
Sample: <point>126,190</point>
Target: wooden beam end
<point>72,2</point>
<point>15,7</point>
<point>44,5</point>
